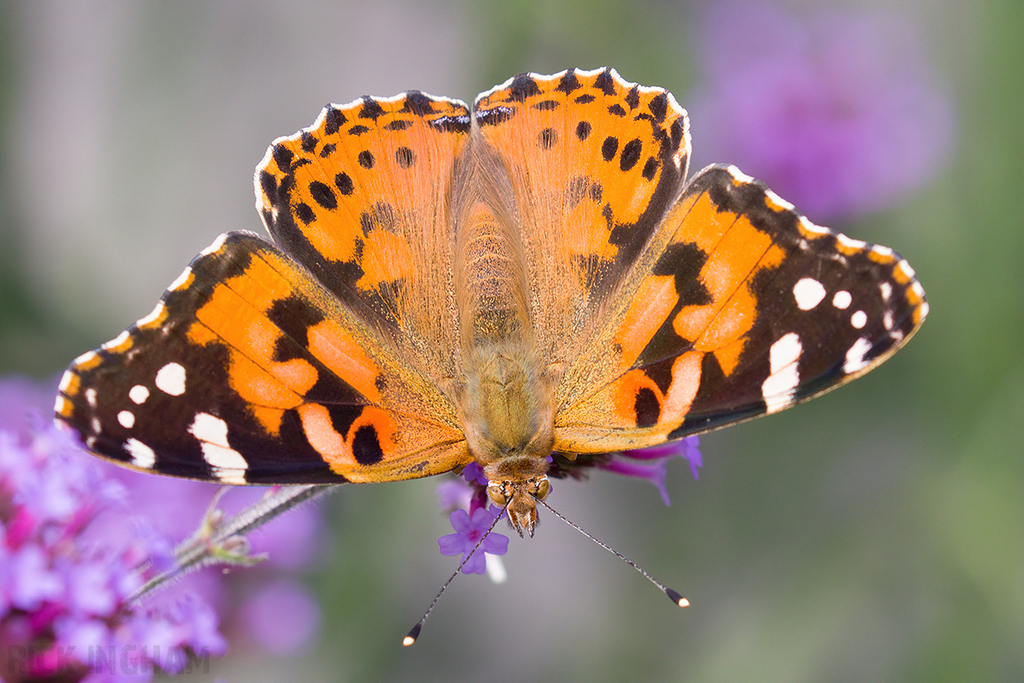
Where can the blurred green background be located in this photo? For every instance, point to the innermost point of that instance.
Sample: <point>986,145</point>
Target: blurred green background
<point>874,535</point>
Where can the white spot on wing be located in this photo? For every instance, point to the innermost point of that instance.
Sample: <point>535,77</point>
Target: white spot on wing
<point>779,201</point>
<point>90,396</point>
<point>117,341</point>
<point>85,358</point>
<point>855,356</point>
<point>886,289</point>
<point>228,464</point>
<point>153,316</point>
<point>126,418</point>
<point>209,428</point>
<point>859,319</point>
<point>910,273</point>
<point>738,175</point>
<point>778,388</point>
<point>808,293</point>
<point>219,242</point>
<point>842,299</point>
<point>142,455</point>
<point>849,242</point>
<point>887,320</point>
<point>180,281</point>
<point>170,379</point>
<point>138,394</point>
<point>65,380</point>
<point>812,228</point>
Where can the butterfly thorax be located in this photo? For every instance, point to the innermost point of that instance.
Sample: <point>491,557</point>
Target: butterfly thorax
<point>506,400</point>
<point>508,424</point>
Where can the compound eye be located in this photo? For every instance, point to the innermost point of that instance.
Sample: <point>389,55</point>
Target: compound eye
<point>496,492</point>
<point>543,488</point>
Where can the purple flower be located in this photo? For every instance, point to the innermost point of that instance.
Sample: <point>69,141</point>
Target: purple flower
<point>97,504</point>
<point>468,532</point>
<point>63,586</point>
<point>282,618</point>
<point>74,528</point>
<point>474,474</point>
<point>837,112</point>
<point>653,469</point>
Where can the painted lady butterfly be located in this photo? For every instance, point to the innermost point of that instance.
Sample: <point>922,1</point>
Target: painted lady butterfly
<point>529,277</point>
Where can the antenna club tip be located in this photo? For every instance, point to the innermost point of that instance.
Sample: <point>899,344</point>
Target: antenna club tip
<point>412,636</point>
<point>677,598</point>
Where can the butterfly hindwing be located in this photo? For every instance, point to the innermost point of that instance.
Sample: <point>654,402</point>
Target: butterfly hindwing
<point>361,198</point>
<point>593,163</point>
<point>248,371</point>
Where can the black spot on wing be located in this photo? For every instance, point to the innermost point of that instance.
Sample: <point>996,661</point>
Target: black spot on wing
<point>323,195</point>
<point>405,157</point>
<point>366,446</point>
<point>522,88</point>
<point>609,147</point>
<point>344,183</point>
<point>659,106</point>
<point>568,83</point>
<point>647,407</point>
<point>308,141</point>
<point>633,97</point>
<point>333,120</point>
<point>630,154</point>
<point>605,82</point>
<point>371,109</point>
<point>418,103</point>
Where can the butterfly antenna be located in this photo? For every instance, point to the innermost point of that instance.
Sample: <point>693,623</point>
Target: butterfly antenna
<point>414,632</point>
<point>674,596</point>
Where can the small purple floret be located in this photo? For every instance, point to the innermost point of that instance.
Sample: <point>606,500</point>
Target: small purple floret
<point>468,532</point>
<point>653,459</point>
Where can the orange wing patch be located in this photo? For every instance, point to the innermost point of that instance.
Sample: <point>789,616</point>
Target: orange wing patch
<point>593,163</point>
<point>361,198</point>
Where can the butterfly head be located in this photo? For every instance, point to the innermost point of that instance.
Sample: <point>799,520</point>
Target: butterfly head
<point>517,484</point>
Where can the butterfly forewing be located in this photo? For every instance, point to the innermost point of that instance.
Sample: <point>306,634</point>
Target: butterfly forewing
<point>249,371</point>
<point>750,309</point>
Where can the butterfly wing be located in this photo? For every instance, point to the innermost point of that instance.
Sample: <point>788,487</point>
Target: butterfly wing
<point>747,309</point>
<point>362,199</point>
<point>315,360</point>
<point>585,196</point>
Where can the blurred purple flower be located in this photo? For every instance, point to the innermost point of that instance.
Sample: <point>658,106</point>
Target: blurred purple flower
<point>157,512</point>
<point>454,494</point>
<point>468,532</point>
<point>282,618</point>
<point>63,593</point>
<point>653,469</point>
<point>837,112</point>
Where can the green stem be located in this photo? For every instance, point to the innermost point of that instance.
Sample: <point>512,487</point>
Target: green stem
<point>223,542</point>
